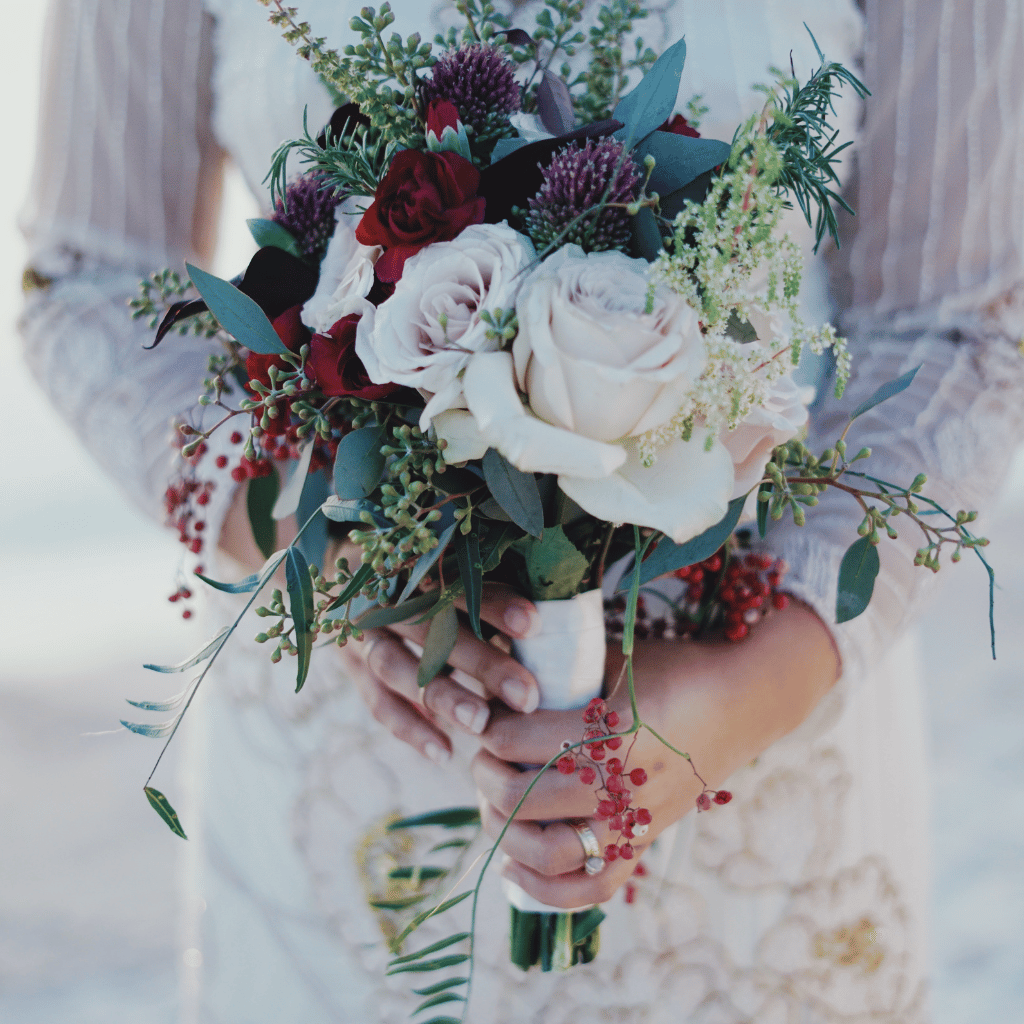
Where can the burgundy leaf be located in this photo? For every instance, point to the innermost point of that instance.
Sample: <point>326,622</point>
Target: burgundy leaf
<point>343,122</point>
<point>554,104</point>
<point>517,37</point>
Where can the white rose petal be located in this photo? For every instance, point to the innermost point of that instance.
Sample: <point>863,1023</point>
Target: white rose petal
<point>425,334</point>
<point>527,442</point>
<point>778,420</point>
<point>346,271</point>
<point>684,493</point>
<point>599,351</point>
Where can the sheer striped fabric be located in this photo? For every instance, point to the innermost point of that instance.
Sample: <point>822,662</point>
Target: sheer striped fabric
<point>127,179</point>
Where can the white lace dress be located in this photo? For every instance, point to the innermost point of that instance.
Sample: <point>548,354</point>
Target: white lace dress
<point>804,900</point>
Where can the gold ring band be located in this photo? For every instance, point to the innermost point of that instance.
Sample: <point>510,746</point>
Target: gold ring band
<point>594,863</point>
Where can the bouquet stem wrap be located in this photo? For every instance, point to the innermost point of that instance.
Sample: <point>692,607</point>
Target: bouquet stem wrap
<point>567,658</point>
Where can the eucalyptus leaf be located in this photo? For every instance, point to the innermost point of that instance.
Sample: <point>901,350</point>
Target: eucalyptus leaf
<point>239,315</point>
<point>503,147</point>
<point>467,548</point>
<point>555,567</point>
<point>350,510</point>
<point>857,574</point>
<point>211,647</point>
<point>650,104</point>
<point>885,392</point>
<point>679,159</point>
<point>438,964</point>
<point>440,641</point>
<point>250,583</point>
<point>290,496</point>
<point>162,806</point>
<point>377,618</point>
<point>313,542</point>
<point>490,509</point>
<point>267,232</point>
<point>646,241</point>
<point>515,491</point>
<point>667,556</point>
<point>494,546</point>
<point>359,464</point>
<point>456,480</point>
<point>300,605</point>
<point>259,503</point>
<point>434,947</point>
<point>452,817</point>
<point>355,585</point>
<point>426,562</point>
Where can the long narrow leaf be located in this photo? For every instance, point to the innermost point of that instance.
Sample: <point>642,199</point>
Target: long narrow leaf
<point>452,817</point>
<point>440,1000</point>
<point>440,986</point>
<point>421,966</point>
<point>362,574</point>
<point>183,666</point>
<point>440,641</point>
<point>259,503</point>
<point>515,491</point>
<point>288,500</point>
<point>269,232</point>
<point>300,605</point>
<point>172,704</point>
<point>886,391</point>
<point>152,731</point>
<point>162,806</point>
<point>434,947</point>
<point>251,583</point>
<point>426,872</point>
<point>441,908</point>
<point>426,562</point>
<point>376,618</point>
<point>467,547</point>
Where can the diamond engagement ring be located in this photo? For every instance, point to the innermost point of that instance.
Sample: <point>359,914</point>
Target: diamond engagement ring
<point>594,863</point>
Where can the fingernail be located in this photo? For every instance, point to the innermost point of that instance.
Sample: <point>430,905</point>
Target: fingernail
<point>521,623</point>
<point>472,716</point>
<point>436,753</point>
<point>518,695</point>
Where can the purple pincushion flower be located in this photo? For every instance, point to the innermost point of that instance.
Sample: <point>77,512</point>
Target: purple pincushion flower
<point>480,81</point>
<point>308,212</point>
<point>574,182</point>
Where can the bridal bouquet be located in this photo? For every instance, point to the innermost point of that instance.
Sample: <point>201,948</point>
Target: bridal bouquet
<point>514,324</point>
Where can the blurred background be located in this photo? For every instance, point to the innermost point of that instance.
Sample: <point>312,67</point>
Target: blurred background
<point>88,872</point>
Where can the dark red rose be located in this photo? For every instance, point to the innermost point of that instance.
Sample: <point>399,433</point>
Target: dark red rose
<point>678,125</point>
<point>336,368</point>
<point>424,198</point>
<point>293,334</point>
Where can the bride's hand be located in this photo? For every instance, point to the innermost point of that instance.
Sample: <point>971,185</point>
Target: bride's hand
<point>721,703</point>
<point>384,670</point>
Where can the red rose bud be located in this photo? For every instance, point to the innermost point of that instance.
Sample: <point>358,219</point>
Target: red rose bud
<point>442,114</point>
<point>445,132</point>
<point>723,796</point>
<point>678,125</point>
<point>336,369</point>
<point>423,198</point>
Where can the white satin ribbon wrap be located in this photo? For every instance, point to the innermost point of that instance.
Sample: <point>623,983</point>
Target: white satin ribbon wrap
<point>567,659</point>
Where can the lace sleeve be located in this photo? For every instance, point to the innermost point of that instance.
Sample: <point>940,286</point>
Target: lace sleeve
<point>126,181</point>
<point>931,280</point>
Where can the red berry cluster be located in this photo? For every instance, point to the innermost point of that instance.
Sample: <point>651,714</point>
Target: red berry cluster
<point>742,590</point>
<point>615,799</point>
<point>183,503</point>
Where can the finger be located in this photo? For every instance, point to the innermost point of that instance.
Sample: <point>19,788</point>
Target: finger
<point>549,849</point>
<point>534,740</point>
<point>404,721</point>
<point>554,795</point>
<point>575,889</point>
<point>394,665</point>
<point>499,674</point>
<point>506,610</point>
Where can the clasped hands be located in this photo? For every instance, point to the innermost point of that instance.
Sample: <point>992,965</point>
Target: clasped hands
<point>721,703</point>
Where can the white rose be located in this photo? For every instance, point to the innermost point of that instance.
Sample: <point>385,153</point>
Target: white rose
<point>778,420</point>
<point>346,271</point>
<point>598,369</point>
<point>426,333</point>
<point>590,356</point>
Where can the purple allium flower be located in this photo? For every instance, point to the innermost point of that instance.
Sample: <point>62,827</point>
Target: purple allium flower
<point>308,212</point>
<point>575,181</point>
<point>479,80</point>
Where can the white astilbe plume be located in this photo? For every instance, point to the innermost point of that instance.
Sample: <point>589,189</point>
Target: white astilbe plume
<point>719,249</point>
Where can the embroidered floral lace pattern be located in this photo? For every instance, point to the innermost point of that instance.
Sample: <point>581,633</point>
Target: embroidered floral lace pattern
<point>804,899</point>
